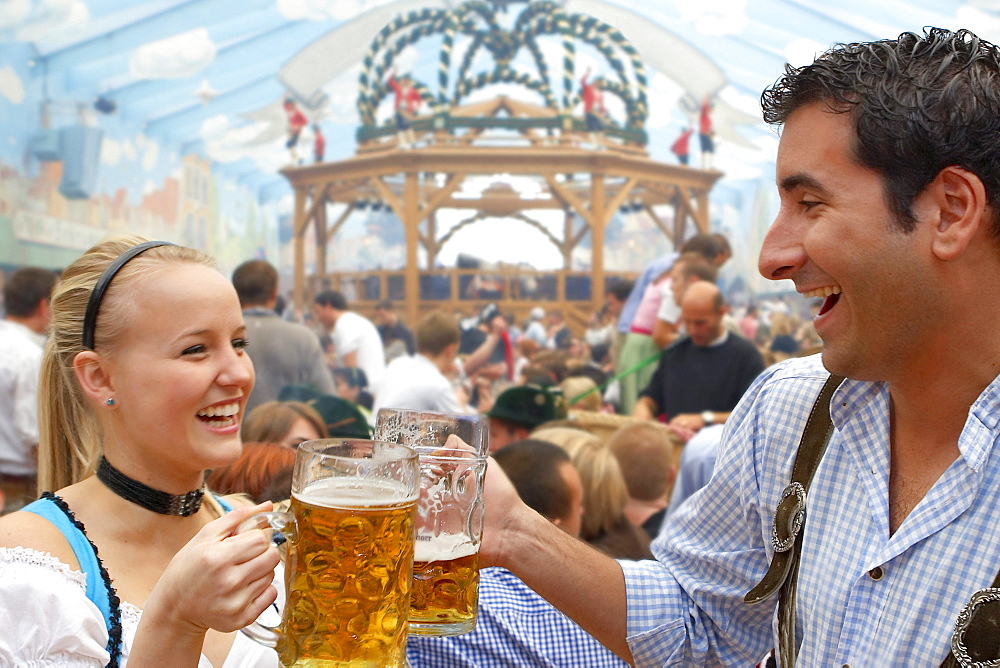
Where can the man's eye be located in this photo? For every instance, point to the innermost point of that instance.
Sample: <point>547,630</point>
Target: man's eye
<point>808,204</point>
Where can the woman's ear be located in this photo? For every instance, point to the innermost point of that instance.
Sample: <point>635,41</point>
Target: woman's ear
<point>92,374</point>
<point>959,205</point>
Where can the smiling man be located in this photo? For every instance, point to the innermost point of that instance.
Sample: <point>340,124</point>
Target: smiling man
<point>889,181</point>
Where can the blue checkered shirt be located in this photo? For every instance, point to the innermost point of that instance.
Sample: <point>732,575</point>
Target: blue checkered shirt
<point>515,628</point>
<point>865,597</point>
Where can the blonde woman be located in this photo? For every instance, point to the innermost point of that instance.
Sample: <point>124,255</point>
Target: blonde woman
<point>144,381</point>
<point>605,525</point>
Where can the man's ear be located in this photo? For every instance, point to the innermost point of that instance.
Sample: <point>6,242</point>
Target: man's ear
<point>92,374</point>
<point>957,203</point>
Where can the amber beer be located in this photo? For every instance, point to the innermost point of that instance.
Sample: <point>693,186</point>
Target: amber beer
<point>445,586</point>
<point>348,575</point>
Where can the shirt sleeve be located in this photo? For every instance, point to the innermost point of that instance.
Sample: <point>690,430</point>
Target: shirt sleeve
<point>669,311</point>
<point>48,619</point>
<point>686,607</point>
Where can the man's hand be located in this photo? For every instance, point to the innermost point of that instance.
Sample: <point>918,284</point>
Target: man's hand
<point>688,422</point>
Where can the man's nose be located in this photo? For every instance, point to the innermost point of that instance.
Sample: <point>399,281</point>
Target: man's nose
<point>782,253</point>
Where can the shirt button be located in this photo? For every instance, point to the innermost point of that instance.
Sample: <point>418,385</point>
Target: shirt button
<point>876,573</point>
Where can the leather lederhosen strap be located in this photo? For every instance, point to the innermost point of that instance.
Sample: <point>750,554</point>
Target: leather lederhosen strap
<point>975,642</point>
<point>789,518</point>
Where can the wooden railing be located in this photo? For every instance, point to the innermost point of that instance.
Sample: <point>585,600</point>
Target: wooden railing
<point>515,290</point>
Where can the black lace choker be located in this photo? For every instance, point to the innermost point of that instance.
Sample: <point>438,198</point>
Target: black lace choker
<point>147,497</point>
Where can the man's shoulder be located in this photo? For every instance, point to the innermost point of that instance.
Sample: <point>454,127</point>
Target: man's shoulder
<point>17,346</point>
<point>275,326</point>
<point>792,383</point>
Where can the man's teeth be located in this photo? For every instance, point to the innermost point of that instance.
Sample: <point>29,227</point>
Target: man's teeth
<point>225,411</point>
<point>822,292</point>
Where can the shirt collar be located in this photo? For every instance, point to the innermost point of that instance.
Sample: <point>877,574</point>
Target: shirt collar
<point>975,443</point>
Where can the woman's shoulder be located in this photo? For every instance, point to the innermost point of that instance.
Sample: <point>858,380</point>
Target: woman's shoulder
<point>24,529</point>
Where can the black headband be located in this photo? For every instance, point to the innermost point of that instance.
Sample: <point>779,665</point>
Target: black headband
<point>94,305</point>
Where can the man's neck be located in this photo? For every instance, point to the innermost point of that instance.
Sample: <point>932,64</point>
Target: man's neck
<point>32,323</point>
<point>638,511</point>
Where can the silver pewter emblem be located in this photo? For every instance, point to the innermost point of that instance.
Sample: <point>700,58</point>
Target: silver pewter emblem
<point>788,517</point>
<point>983,597</point>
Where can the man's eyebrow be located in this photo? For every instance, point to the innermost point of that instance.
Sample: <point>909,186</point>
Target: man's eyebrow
<point>801,180</point>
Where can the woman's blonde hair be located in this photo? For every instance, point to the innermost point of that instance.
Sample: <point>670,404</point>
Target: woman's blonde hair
<point>271,421</point>
<point>70,439</point>
<point>574,386</point>
<point>604,492</point>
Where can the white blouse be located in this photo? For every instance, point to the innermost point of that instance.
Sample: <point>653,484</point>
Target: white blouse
<point>49,621</point>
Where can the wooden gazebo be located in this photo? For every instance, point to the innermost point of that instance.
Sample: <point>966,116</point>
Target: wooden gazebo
<point>585,175</point>
<point>591,183</point>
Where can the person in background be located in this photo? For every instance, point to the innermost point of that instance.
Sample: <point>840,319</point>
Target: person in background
<point>397,339</point>
<point>424,381</point>
<point>284,353</point>
<point>535,329</point>
<point>297,121</point>
<point>138,404</point>
<point>648,454</point>
<point>605,495</point>
<point>254,472</point>
<point>286,423</point>
<point>701,378</point>
<point>514,625</point>
<point>26,294</point>
<point>519,409</point>
<point>356,342</point>
<point>319,143</point>
<point>681,146</point>
<point>351,386</point>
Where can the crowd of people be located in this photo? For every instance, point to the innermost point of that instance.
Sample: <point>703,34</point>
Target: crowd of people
<point>648,472</point>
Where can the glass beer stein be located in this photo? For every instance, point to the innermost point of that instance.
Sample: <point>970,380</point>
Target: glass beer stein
<point>349,555</point>
<point>449,515</point>
<point>445,590</point>
<point>429,429</point>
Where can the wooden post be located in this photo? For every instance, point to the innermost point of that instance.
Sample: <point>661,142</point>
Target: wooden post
<point>321,241</point>
<point>599,218</point>
<point>299,227</point>
<point>411,220</point>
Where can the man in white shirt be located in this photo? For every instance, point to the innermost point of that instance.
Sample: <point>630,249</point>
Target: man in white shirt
<point>26,296</point>
<point>421,382</point>
<point>356,341</point>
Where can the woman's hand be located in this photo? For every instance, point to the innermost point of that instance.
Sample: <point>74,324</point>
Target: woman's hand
<point>222,580</point>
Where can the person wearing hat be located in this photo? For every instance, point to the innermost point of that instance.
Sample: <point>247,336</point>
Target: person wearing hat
<point>520,409</point>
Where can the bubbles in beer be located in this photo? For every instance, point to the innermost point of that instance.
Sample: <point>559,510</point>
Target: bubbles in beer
<point>348,575</point>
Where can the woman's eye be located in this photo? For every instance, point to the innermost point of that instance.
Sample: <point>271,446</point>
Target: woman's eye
<point>194,350</point>
<point>240,344</point>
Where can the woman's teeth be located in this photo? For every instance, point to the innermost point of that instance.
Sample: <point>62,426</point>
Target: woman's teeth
<point>220,416</point>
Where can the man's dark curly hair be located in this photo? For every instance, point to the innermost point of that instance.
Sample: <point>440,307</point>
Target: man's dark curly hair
<point>919,103</point>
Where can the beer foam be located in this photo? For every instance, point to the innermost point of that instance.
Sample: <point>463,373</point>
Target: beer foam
<point>443,548</point>
<point>355,493</point>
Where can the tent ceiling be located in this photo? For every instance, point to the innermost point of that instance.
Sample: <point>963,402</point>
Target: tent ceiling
<point>210,74</point>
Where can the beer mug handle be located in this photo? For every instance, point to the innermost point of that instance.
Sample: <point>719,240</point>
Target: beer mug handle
<point>283,528</point>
